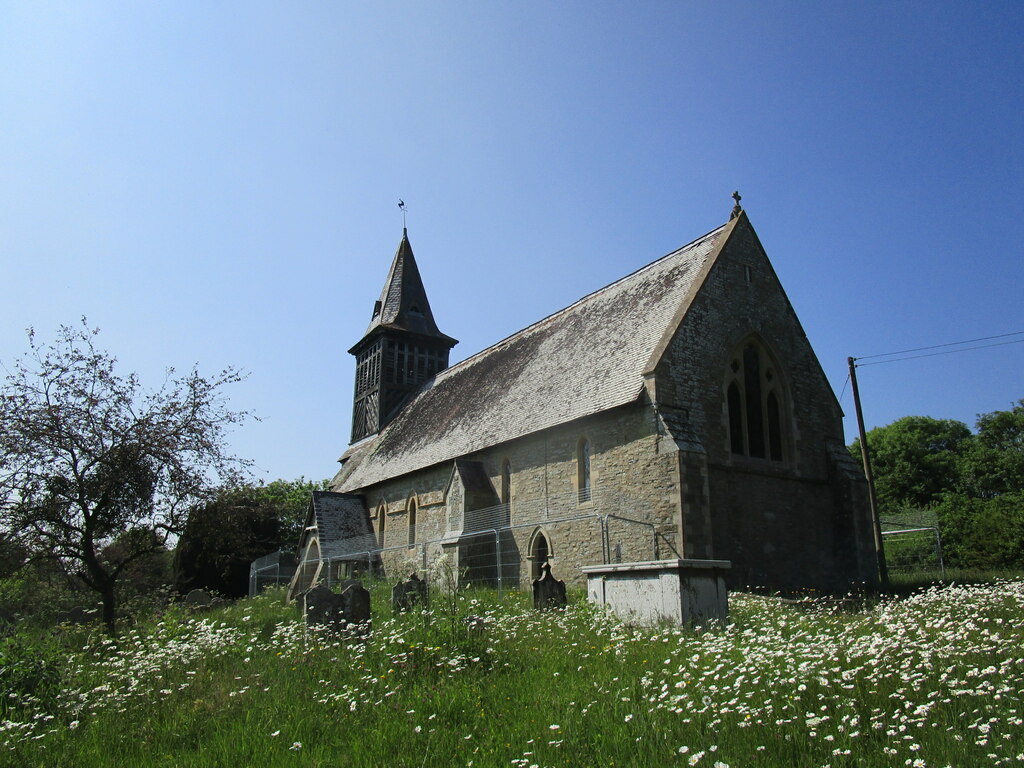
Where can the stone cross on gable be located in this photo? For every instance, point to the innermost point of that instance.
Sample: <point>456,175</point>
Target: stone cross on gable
<point>736,209</point>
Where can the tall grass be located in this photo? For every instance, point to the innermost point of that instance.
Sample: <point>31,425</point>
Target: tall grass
<point>934,679</point>
<point>901,583</point>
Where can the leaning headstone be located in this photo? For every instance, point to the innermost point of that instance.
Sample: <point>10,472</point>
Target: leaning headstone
<point>322,607</point>
<point>548,592</point>
<point>407,594</point>
<point>197,598</point>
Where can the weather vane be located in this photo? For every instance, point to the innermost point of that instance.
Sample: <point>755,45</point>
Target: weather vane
<point>401,206</point>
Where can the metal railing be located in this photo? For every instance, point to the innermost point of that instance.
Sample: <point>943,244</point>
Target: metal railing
<point>914,550</point>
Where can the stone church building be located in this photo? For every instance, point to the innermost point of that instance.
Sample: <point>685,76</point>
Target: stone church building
<point>678,412</point>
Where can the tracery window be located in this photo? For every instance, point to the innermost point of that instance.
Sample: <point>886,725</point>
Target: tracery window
<point>755,400</point>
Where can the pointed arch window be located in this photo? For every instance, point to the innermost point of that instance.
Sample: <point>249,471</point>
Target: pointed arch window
<point>774,427</point>
<point>412,522</point>
<point>382,515</point>
<point>735,404</point>
<point>583,479</point>
<point>755,403</point>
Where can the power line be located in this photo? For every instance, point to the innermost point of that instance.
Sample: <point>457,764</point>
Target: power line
<point>947,352</point>
<point>950,344</point>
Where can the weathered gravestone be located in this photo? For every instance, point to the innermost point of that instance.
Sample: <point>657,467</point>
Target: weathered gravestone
<point>357,605</point>
<point>351,608</point>
<point>342,586</point>
<point>322,607</point>
<point>548,592</point>
<point>405,595</point>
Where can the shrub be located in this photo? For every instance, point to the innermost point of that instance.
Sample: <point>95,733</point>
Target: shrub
<point>29,670</point>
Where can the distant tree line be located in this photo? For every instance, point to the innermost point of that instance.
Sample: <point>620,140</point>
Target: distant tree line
<point>972,481</point>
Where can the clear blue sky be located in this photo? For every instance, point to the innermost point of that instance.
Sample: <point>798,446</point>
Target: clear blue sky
<point>216,183</point>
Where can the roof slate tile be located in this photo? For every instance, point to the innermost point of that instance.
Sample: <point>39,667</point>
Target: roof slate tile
<point>584,359</point>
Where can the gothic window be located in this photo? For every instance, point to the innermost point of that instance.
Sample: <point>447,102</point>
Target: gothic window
<point>412,522</point>
<point>755,405</point>
<point>754,401</point>
<point>735,418</point>
<point>381,518</point>
<point>583,470</point>
<point>774,428</point>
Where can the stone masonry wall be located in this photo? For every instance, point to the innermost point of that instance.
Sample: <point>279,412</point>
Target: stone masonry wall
<point>779,522</point>
<point>630,477</point>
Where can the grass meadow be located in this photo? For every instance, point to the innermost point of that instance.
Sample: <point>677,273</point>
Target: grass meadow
<point>931,679</point>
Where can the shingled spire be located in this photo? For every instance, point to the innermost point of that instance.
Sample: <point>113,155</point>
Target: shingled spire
<point>402,346</point>
<point>403,303</point>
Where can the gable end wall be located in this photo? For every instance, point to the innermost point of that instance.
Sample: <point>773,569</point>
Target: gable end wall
<point>782,524</point>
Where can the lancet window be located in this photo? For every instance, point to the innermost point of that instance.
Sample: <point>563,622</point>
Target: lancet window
<point>412,522</point>
<point>583,479</point>
<point>755,402</point>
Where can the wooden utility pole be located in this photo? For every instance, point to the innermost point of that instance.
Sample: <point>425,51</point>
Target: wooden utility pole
<point>883,569</point>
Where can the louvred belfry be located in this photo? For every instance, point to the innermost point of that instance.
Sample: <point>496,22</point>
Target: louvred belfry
<point>402,346</point>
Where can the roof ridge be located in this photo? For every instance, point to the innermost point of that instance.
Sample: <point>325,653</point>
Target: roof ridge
<point>511,336</point>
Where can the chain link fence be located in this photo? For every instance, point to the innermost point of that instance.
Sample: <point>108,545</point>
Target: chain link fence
<point>273,570</point>
<point>504,546</point>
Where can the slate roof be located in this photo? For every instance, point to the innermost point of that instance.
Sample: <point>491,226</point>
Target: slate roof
<point>342,524</point>
<point>403,302</point>
<point>584,359</point>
